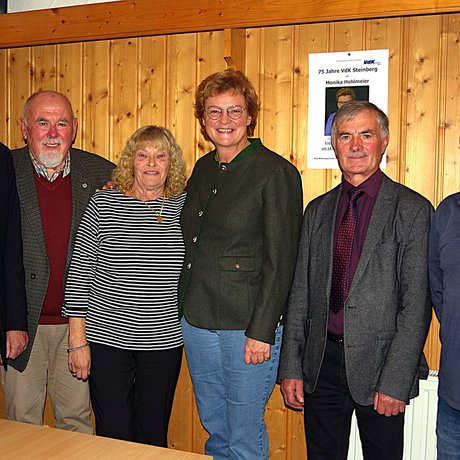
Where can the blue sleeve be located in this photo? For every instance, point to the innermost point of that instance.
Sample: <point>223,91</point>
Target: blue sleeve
<point>434,267</point>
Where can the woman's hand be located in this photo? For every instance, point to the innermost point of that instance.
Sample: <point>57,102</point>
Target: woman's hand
<point>80,363</point>
<point>255,351</point>
<point>107,186</point>
<point>79,359</point>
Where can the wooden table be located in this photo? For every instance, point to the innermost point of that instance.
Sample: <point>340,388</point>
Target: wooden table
<point>22,441</point>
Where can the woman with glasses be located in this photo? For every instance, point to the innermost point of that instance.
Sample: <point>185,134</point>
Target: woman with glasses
<point>240,224</point>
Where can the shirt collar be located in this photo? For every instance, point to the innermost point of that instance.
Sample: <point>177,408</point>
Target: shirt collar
<point>41,170</point>
<point>370,186</point>
<point>254,144</point>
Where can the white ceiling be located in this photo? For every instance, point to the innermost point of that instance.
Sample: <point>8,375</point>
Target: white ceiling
<point>27,5</point>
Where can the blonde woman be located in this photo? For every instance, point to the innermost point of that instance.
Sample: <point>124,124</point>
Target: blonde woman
<point>121,292</point>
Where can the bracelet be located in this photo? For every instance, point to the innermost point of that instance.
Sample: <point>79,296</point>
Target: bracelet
<point>69,350</point>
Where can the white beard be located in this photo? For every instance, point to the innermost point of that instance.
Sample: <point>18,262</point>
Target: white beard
<point>50,158</point>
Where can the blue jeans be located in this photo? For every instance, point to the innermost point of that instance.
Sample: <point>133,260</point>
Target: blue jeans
<point>230,395</point>
<point>448,432</point>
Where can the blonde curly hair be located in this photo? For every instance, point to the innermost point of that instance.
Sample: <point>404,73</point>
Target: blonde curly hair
<point>161,138</point>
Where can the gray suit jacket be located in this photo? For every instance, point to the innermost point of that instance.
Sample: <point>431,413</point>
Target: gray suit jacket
<point>388,310</point>
<point>88,172</point>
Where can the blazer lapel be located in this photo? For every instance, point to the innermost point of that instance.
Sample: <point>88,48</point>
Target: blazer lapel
<point>382,209</point>
<point>82,190</point>
<point>27,190</point>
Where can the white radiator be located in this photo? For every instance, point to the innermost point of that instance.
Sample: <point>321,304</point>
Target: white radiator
<point>419,426</point>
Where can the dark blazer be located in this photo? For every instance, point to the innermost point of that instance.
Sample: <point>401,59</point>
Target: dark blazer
<point>88,172</point>
<point>241,224</point>
<point>13,308</point>
<point>388,311</point>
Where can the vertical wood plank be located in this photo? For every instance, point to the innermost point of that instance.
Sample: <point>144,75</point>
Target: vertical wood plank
<point>123,93</point>
<point>422,82</point>
<point>44,67</point>
<point>255,58</point>
<point>184,415</point>
<point>69,79</point>
<point>95,114</point>
<point>20,81</point>
<point>152,81</point>
<point>309,39</point>
<point>277,86</point>
<point>180,91</point>
<point>449,154</point>
<point>235,48</point>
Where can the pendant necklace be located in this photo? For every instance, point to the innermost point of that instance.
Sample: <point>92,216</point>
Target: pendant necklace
<point>158,215</point>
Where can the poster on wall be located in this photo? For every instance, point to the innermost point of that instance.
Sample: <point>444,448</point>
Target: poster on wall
<point>335,79</point>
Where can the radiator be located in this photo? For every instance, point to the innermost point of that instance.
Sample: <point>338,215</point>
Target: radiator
<point>419,426</point>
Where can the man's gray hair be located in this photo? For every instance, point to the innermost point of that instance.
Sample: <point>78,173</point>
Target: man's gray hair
<point>351,109</point>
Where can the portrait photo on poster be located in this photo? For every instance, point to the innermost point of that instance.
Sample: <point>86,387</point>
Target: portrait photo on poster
<point>337,96</point>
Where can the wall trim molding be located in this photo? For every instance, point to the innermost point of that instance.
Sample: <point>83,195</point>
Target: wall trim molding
<point>137,18</point>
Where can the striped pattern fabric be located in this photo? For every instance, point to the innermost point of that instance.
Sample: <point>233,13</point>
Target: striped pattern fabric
<point>124,272</point>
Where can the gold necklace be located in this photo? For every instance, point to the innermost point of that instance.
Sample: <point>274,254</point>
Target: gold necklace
<point>158,214</point>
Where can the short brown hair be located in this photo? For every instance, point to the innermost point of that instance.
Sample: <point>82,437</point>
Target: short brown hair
<point>161,138</point>
<point>345,92</point>
<point>227,81</point>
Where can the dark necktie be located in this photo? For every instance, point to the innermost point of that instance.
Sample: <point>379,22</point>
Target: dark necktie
<point>342,253</point>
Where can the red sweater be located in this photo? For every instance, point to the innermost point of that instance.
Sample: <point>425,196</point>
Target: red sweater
<point>55,200</point>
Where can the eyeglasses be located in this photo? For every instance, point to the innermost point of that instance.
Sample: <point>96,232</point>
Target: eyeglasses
<point>234,112</point>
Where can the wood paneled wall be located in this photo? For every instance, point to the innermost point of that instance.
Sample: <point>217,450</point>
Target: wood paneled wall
<point>119,85</point>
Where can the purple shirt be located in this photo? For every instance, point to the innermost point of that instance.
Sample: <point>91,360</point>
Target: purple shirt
<point>365,205</point>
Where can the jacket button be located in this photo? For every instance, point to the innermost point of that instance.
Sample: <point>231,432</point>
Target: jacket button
<point>195,239</point>
<point>237,265</point>
<point>223,167</point>
<point>189,265</point>
<point>32,276</point>
<point>200,213</point>
<point>214,191</point>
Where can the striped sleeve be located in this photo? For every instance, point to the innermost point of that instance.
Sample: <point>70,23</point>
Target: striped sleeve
<point>83,264</point>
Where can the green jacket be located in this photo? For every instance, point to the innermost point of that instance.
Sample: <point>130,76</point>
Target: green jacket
<point>241,223</point>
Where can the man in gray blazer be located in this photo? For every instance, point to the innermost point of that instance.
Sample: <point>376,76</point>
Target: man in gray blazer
<point>359,307</point>
<point>55,183</point>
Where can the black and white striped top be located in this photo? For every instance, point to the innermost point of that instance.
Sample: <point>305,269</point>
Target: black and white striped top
<point>124,272</point>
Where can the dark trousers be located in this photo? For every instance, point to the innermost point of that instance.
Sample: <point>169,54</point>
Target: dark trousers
<point>132,392</point>
<point>328,413</point>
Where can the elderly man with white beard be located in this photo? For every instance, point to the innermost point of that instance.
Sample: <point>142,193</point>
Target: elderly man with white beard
<point>55,183</point>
